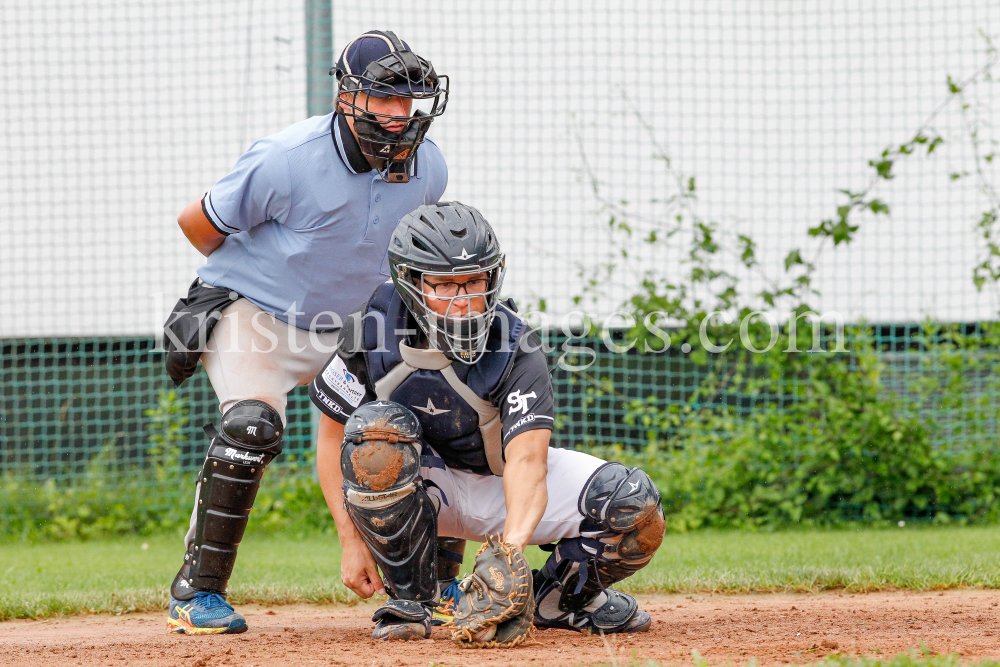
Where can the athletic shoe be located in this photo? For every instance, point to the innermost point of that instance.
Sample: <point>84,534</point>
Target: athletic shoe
<point>444,612</point>
<point>617,613</point>
<point>204,614</point>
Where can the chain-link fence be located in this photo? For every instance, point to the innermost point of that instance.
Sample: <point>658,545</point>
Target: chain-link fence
<point>565,120</point>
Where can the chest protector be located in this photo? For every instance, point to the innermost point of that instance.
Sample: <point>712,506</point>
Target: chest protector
<point>456,404</point>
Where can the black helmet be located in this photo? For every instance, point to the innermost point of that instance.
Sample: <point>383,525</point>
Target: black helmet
<point>381,450</point>
<point>379,64</point>
<point>447,239</point>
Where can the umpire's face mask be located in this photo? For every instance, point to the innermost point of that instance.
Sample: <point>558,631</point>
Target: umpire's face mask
<point>388,134</point>
<point>391,107</point>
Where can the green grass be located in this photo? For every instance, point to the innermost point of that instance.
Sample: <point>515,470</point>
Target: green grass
<point>861,560</point>
<point>116,576</point>
<point>52,578</point>
<point>901,660</point>
<point>839,660</point>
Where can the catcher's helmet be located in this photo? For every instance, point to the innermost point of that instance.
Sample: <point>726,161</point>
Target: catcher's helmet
<point>379,64</point>
<point>447,239</point>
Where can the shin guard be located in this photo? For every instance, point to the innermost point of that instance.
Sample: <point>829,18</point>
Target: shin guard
<point>386,499</point>
<point>228,484</point>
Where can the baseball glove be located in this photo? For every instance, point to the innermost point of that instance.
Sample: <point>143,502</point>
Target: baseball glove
<point>498,604</point>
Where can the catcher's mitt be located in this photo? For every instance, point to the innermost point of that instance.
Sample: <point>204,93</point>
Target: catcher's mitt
<point>498,604</point>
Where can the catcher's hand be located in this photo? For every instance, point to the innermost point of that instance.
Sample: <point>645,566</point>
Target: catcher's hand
<point>499,605</point>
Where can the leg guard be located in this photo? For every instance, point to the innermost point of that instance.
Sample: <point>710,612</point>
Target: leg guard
<point>250,439</point>
<point>451,553</point>
<point>623,528</point>
<point>387,502</point>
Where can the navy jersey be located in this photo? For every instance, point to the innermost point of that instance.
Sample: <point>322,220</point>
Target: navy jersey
<point>450,402</point>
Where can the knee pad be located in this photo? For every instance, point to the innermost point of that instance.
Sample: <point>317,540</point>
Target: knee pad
<point>237,456</point>
<point>386,498</point>
<point>623,528</point>
<point>623,504</point>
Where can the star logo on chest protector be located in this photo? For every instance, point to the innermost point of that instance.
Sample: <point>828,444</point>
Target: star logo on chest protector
<point>430,409</point>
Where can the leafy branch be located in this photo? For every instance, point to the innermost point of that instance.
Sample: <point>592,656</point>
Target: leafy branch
<point>680,300</point>
<point>988,268</point>
<point>842,229</point>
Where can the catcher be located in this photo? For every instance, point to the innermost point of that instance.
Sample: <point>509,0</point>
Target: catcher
<point>456,447</point>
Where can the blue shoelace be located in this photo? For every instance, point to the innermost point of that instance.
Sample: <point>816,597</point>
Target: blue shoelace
<point>211,601</point>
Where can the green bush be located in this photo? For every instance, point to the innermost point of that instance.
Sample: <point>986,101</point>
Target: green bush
<point>824,443</point>
<point>837,447</point>
<point>777,470</point>
<point>119,498</point>
<point>129,503</point>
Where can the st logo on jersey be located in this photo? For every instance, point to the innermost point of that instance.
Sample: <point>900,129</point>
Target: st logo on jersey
<point>519,402</point>
<point>343,383</point>
<point>430,409</point>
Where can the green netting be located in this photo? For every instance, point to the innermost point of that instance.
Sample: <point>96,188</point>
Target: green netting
<point>580,131</point>
<point>79,409</point>
<point>76,408</point>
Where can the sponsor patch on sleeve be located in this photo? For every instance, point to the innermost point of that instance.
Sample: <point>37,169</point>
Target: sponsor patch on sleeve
<point>330,403</point>
<point>343,383</point>
<point>527,419</point>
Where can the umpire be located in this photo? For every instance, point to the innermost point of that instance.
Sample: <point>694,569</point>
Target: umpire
<point>296,239</point>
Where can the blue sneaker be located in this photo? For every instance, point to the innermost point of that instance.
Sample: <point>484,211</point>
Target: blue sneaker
<point>204,614</point>
<point>444,612</point>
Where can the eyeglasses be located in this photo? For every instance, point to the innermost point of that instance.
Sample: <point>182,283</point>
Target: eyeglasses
<point>451,290</point>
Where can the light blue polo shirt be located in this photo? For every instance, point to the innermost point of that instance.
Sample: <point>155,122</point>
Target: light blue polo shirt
<point>306,232</point>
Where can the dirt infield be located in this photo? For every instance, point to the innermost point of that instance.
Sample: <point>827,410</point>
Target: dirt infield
<point>724,629</point>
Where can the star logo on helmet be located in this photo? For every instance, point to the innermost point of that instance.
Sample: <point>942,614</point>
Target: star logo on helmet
<point>430,409</point>
<point>464,255</point>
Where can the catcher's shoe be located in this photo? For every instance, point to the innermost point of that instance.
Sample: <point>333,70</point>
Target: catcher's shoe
<point>612,611</point>
<point>402,619</point>
<point>445,609</point>
<point>205,614</point>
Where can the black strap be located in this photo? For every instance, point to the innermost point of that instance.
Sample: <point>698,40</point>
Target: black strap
<point>397,43</point>
<point>432,461</point>
<point>428,484</point>
<point>448,554</point>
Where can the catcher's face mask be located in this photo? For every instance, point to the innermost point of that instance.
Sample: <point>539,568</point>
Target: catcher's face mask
<point>389,131</point>
<point>455,309</point>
